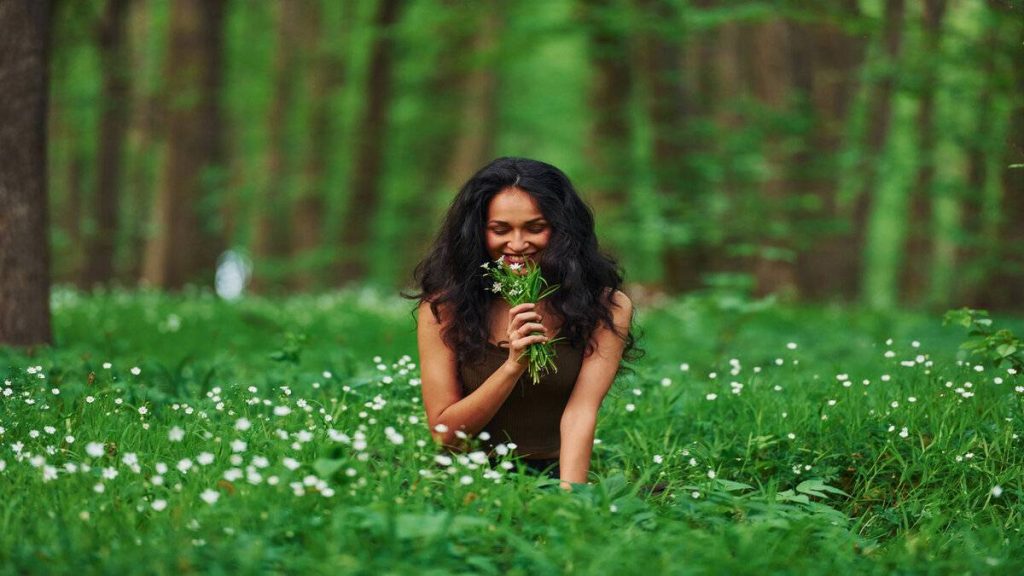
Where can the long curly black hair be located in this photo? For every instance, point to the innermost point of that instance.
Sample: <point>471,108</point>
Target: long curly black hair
<point>451,276</point>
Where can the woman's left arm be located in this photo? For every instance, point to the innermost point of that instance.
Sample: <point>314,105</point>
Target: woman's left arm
<point>594,380</point>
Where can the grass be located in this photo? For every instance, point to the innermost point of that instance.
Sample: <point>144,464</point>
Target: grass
<point>784,461</point>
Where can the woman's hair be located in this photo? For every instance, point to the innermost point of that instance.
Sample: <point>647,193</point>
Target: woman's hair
<point>451,276</point>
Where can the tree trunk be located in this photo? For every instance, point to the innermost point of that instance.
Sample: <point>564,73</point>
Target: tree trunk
<point>829,81</point>
<point>772,79</point>
<point>1004,288</point>
<point>880,119</point>
<point>324,74</point>
<point>71,216</point>
<point>364,193</point>
<point>99,265</point>
<point>609,149</point>
<point>24,248</point>
<point>143,133</point>
<point>919,226</point>
<point>270,243</point>
<point>661,56</point>
<point>187,236</point>
<point>475,87</point>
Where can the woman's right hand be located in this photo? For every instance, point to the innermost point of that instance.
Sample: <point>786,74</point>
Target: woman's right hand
<point>524,329</point>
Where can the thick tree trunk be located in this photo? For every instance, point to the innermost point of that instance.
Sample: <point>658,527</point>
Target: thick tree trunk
<point>24,248</point>
<point>364,193</point>
<point>99,265</point>
<point>916,267</point>
<point>187,236</point>
<point>833,57</point>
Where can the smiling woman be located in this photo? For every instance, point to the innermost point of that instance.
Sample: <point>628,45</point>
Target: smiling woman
<point>471,342</point>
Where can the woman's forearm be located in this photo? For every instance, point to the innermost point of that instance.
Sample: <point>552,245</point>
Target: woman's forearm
<point>470,414</point>
<point>577,430</point>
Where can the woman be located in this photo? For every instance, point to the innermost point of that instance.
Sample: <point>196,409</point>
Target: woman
<point>471,343</point>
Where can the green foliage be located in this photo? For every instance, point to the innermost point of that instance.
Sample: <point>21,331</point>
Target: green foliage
<point>291,350</point>
<point>717,448</point>
<point>997,347</point>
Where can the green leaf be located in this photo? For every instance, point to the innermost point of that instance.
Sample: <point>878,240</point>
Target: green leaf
<point>326,467</point>
<point>731,486</point>
<point>1005,350</point>
<point>790,496</point>
<point>817,487</point>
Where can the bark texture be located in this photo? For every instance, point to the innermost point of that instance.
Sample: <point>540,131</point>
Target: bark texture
<point>24,247</point>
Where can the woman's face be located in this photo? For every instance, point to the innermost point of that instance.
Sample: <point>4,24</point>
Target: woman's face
<point>516,228</point>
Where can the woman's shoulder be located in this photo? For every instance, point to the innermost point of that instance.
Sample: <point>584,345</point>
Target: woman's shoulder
<point>618,300</point>
<point>431,312</point>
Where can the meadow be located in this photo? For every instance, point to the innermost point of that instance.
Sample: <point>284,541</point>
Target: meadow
<point>171,434</point>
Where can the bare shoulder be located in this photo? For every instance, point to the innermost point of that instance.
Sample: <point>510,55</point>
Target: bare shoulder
<point>622,307</point>
<point>425,314</point>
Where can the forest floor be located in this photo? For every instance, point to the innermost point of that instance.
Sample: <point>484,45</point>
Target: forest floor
<point>179,434</point>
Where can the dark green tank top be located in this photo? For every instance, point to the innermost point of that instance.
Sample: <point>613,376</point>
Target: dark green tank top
<point>531,414</point>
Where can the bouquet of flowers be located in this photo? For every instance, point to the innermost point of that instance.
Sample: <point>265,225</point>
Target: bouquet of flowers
<point>518,284</point>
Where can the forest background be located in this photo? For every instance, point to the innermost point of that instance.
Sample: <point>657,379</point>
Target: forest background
<point>858,150</point>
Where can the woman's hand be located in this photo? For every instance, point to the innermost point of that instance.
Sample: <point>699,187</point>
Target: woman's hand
<point>524,329</point>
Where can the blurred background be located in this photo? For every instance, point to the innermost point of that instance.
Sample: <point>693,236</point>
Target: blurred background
<point>835,150</point>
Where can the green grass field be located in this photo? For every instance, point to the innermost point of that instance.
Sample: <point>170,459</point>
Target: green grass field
<point>180,434</point>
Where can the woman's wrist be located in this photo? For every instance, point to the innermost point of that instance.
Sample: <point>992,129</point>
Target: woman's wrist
<point>513,369</point>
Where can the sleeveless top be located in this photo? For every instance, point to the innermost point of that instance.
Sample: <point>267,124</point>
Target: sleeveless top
<point>531,415</point>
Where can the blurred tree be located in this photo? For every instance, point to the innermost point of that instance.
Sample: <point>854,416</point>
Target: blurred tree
<point>660,57</point>
<point>364,193</point>
<point>879,123</point>
<point>271,235</point>
<point>1006,284</point>
<point>146,43</point>
<point>919,226</point>
<point>831,52</point>
<point>72,134</point>
<point>324,75</point>
<point>471,84</point>
<point>772,78</point>
<point>609,147</point>
<point>24,250</point>
<point>457,114</point>
<point>187,240</point>
<point>114,102</point>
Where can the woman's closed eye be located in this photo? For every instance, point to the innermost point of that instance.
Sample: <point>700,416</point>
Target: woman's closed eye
<point>531,229</point>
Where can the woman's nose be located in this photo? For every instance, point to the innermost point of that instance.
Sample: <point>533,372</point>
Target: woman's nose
<point>518,242</point>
